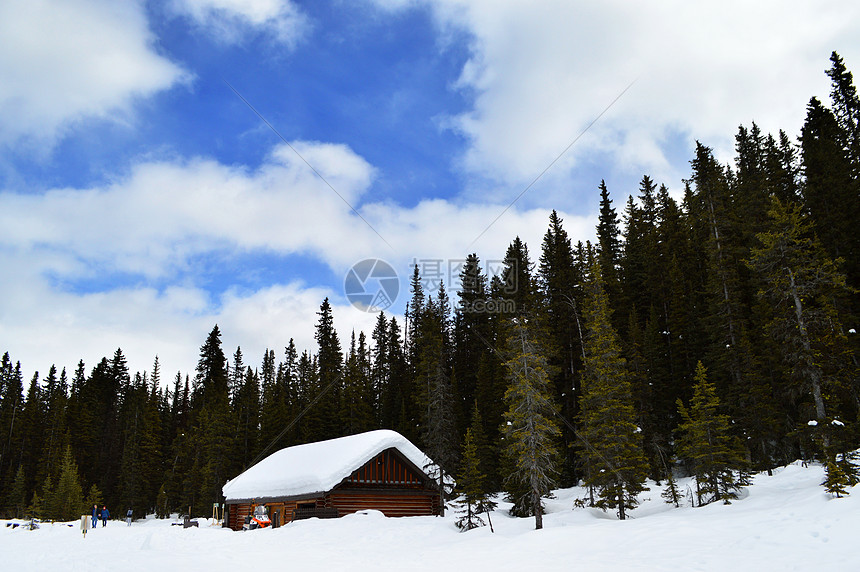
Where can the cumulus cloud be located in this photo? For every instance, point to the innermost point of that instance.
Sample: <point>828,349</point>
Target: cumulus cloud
<point>157,220</point>
<point>539,72</point>
<point>39,321</point>
<point>231,21</point>
<point>164,212</point>
<point>64,61</point>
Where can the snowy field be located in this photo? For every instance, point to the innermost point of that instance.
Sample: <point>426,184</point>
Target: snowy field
<point>785,522</point>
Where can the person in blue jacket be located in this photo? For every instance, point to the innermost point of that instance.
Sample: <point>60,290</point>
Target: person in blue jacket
<point>105,516</point>
<point>95,515</point>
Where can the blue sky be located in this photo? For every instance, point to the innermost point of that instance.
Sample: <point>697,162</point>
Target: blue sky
<point>142,200</point>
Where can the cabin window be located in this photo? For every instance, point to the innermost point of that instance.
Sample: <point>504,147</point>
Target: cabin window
<point>306,505</point>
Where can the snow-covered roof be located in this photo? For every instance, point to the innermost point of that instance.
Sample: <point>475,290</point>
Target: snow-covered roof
<point>317,467</point>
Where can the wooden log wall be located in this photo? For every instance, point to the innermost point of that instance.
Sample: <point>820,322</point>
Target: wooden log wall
<point>238,512</point>
<point>390,503</point>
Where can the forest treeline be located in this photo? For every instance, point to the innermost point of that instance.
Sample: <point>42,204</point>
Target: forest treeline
<point>713,336</point>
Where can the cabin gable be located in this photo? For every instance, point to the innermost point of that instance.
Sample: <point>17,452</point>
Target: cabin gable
<point>388,468</point>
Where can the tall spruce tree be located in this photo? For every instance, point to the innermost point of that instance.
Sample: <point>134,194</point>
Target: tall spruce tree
<point>213,441</point>
<point>356,412</point>
<point>612,441</point>
<point>472,334</point>
<point>530,433</point>
<point>399,407</point>
<point>435,396</point>
<point>830,153</point>
<point>323,419</point>
<point>32,433</point>
<point>846,109</point>
<point>246,412</point>
<point>609,250</point>
<point>560,287</point>
<point>801,283</point>
<point>11,408</point>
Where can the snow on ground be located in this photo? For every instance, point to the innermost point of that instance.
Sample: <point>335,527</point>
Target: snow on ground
<point>785,522</point>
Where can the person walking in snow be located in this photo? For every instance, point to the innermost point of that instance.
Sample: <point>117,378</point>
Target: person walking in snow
<point>105,516</point>
<point>95,515</point>
<point>128,516</point>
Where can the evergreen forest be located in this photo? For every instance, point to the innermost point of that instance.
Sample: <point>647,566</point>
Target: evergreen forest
<point>712,335</point>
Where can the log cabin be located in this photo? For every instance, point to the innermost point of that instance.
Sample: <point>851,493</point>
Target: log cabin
<point>379,470</point>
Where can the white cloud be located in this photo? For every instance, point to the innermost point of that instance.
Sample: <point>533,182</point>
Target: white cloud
<point>230,21</point>
<point>64,61</point>
<point>165,212</point>
<point>541,71</point>
<point>39,322</point>
<point>154,222</point>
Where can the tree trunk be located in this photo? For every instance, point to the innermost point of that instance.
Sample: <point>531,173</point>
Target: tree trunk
<point>811,371</point>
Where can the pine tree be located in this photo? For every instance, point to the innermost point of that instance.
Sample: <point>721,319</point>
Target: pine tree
<point>720,217</point>
<point>237,372</point>
<point>474,499</point>
<point>151,445</point>
<point>94,497</point>
<point>559,286</point>
<point>612,441</point>
<point>111,439</point>
<point>16,501</point>
<point>800,283</point>
<point>130,482</point>
<point>323,419</point>
<point>836,481</point>
<point>356,404</point>
<point>831,188</point>
<point>398,405</point>
<point>212,442</point>
<point>380,369</point>
<point>846,109</point>
<point>670,493</point>
<point>54,402</point>
<point>162,510</point>
<point>414,311</point>
<point>35,508</point>
<point>830,144</point>
<point>273,396</point>
<point>32,432</point>
<point>67,497</point>
<point>715,458</point>
<point>516,277</point>
<point>11,408</point>
<point>246,411</point>
<point>848,461</point>
<point>308,388</point>
<point>435,396</point>
<point>472,334</point>
<point>609,250</point>
<point>531,433</point>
